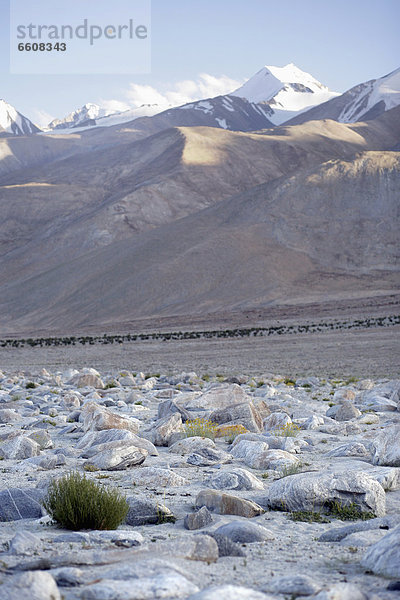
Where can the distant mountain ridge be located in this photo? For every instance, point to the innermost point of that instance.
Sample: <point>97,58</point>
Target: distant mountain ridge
<point>197,220</point>
<point>362,102</point>
<point>13,122</point>
<point>272,97</point>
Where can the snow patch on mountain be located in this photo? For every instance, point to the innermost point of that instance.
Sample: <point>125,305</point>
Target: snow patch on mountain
<point>284,91</point>
<point>14,122</point>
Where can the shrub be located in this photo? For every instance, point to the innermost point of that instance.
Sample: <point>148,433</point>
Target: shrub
<point>348,512</point>
<point>290,470</point>
<point>200,427</point>
<point>76,502</point>
<point>287,430</point>
<point>229,432</point>
<point>30,385</point>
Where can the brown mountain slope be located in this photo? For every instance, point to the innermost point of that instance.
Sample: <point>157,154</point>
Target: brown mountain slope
<point>329,232</point>
<point>86,201</point>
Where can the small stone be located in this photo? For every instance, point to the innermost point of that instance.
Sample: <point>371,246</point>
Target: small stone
<point>24,543</point>
<point>226,547</point>
<point>199,519</point>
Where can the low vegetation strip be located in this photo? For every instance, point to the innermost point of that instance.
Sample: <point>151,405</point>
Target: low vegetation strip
<point>388,321</point>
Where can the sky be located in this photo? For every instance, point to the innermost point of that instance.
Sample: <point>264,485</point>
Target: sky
<point>202,49</point>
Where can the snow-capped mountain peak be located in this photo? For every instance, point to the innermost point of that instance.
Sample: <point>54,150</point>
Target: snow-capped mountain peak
<point>286,90</point>
<point>86,115</point>
<point>14,122</point>
<point>94,115</point>
<point>366,97</point>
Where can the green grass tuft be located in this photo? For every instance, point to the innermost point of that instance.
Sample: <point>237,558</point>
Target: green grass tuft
<point>76,503</point>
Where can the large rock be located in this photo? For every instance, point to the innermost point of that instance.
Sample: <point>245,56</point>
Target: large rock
<point>383,558</point>
<point>97,418</point>
<point>20,503</point>
<point>235,479</point>
<point>351,449</point>
<point>206,457</point>
<point>86,380</point>
<point>276,421</point>
<point>217,397</point>
<point>199,519</point>
<point>293,585</point>
<point>386,447</point>
<point>245,532</point>
<point>249,451</point>
<point>342,591</point>
<point>346,412</point>
<point>118,459</point>
<point>257,455</point>
<point>191,444</point>
<point>42,438</point>
<point>163,430</point>
<point>147,512</point>
<point>244,414</point>
<point>96,441</point>
<point>227,504</point>
<point>379,403</point>
<point>169,407</point>
<point>39,585</point>
<point>19,447</point>
<point>315,491</point>
<point>230,592</point>
<point>168,586</point>
<point>8,415</point>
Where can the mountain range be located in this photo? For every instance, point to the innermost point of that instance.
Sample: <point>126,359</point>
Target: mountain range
<point>201,209</point>
<point>273,96</point>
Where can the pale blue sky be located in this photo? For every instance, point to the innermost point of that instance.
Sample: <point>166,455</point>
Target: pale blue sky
<point>340,42</point>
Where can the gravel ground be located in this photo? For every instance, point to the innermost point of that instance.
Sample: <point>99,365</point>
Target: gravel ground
<point>373,352</point>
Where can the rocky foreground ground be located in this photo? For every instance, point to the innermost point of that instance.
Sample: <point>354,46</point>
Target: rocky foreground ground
<point>258,513</point>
